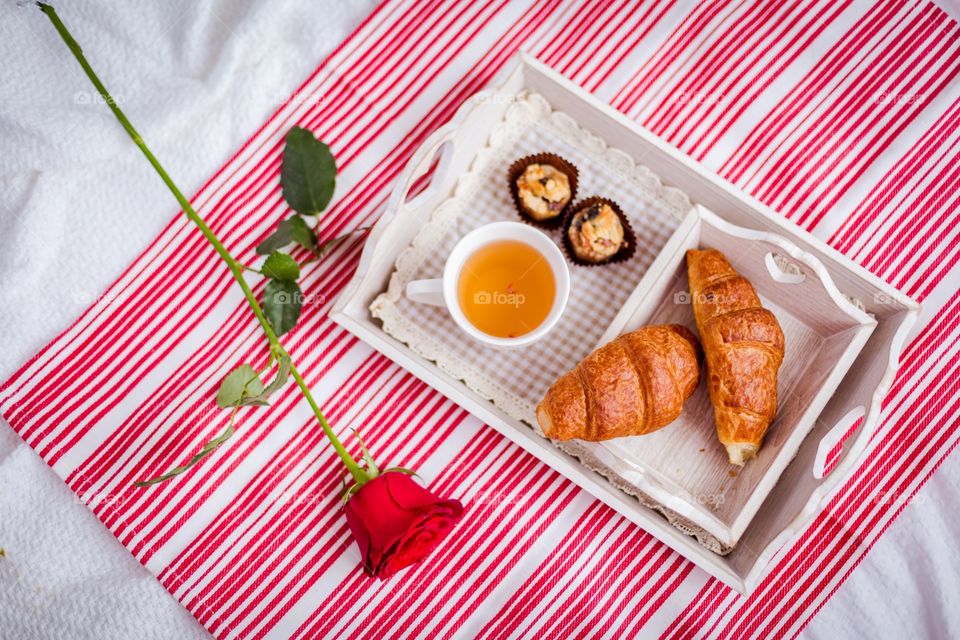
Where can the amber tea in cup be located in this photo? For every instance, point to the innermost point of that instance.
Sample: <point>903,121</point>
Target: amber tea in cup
<point>505,284</point>
<point>506,288</point>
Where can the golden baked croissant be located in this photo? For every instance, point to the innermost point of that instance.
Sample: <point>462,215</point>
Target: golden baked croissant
<point>743,344</point>
<point>632,385</point>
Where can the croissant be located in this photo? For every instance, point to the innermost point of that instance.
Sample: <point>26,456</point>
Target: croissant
<point>743,345</point>
<point>633,385</point>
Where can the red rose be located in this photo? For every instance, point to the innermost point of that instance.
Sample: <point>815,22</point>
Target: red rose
<point>397,523</point>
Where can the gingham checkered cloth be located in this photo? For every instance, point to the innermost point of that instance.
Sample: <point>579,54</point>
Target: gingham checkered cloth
<point>515,380</point>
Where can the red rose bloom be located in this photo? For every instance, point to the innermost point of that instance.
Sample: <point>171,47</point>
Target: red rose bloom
<point>397,523</point>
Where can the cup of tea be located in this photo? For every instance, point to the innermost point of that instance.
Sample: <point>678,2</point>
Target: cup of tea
<point>505,284</point>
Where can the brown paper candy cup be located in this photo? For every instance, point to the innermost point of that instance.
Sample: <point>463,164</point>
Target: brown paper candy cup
<point>516,170</point>
<point>625,252</point>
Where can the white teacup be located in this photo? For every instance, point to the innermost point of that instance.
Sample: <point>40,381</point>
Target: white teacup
<point>442,292</point>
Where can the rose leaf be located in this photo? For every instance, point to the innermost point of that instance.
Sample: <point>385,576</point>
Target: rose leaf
<point>308,173</point>
<point>238,385</point>
<point>293,229</point>
<point>283,373</point>
<point>282,301</point>
<point>280,266</point>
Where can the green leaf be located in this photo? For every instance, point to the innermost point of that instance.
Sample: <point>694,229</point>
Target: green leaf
<point>238,385</point>
<point>308,174</point>
<point>300,232</point>
<point>293,229</point>
<point>256,394</point>
<point>281,266</point>
<point>282,301</point>
<point>207,449</point>
<point>283,373</point>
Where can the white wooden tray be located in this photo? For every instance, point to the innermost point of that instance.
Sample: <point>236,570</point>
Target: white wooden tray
<point>800,494</point>
<point>683,467</point>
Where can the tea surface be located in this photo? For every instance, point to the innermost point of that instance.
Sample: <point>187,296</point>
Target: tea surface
<point>506,289</point>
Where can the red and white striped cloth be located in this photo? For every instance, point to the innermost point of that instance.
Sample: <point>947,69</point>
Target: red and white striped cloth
<point>842,115</point>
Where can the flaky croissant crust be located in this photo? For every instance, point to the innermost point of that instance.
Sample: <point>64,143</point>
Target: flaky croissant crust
<point>743,346</point>
<point>633,385</point>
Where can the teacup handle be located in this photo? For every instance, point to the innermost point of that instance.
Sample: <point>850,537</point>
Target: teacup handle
<point>427,292</point>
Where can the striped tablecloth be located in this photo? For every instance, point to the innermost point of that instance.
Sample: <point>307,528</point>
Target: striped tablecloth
<point>841,115</point>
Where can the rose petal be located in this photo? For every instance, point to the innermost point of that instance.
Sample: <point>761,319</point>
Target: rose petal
<point>397,522</point>
<point>407,492</point>
<point>385,521</point>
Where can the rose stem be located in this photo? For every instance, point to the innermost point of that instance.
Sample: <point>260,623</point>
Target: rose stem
<point>235,267</point>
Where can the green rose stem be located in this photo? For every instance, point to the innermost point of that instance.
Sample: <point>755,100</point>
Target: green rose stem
<point>358,473</point>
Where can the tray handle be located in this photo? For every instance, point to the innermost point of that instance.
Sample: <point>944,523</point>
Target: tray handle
<point>449,146</point>
<point>790,266</point>
<point>831,446</point>
<point>437,158</point>
<point>439,148</point>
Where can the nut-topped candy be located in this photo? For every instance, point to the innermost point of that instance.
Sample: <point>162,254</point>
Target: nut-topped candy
<point>543,186</point>
<point>598,233</point>
<point>544,191</point>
